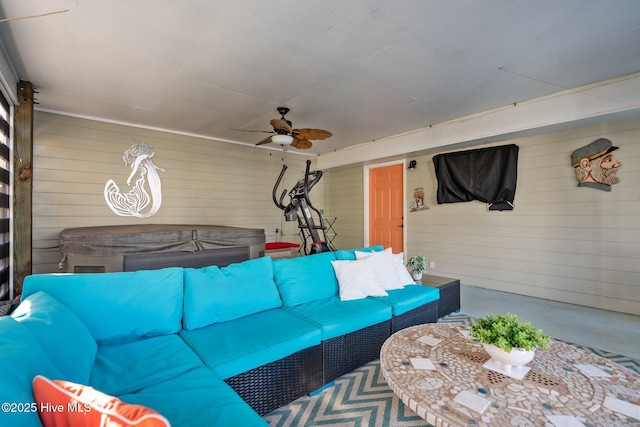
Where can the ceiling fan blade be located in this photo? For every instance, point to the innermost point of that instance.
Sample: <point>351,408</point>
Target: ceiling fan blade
<point>258,131</point>
<point>301,137</point>
<point>279,124</point>
<point>265,141</point>
<point>301,143</point>
<point>316,134</point>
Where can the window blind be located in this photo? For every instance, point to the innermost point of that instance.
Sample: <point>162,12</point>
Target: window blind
<point>5,199</point>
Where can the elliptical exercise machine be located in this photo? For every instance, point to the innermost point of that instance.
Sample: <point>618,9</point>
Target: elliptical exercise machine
<point>299,200</point>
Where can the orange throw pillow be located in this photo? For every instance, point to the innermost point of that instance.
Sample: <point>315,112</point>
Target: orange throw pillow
<point>65,404</point>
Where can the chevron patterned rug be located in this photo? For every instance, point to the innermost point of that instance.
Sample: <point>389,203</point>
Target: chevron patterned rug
<point>362,398</point>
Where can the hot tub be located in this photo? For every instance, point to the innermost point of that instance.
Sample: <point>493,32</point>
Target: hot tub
<point>151,246</point>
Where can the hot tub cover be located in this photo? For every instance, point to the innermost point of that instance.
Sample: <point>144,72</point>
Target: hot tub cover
<point>130,239</point>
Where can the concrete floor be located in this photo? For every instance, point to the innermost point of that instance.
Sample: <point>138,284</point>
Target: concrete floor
<point>605,330</point>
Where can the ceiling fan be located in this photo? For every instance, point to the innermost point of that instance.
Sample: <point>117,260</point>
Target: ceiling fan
<point>284,133</point>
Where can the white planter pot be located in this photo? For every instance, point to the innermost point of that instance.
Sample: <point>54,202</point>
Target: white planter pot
<point>515,358</point>
<point>416,275</point>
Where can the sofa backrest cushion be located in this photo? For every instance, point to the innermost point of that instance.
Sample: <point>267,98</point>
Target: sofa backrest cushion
<point>385,268</point>
<point>118,307</point>
<point>63,337</point>
<point>21,358</point>
<point>358,279</point>
<point>214,294</point>
<point>350,254</point>
<point>305,279</point>
<point>403,273</point>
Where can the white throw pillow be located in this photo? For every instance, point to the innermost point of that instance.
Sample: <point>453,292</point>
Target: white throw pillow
<point>357,279</point>
<point>385,268</point>
<point>403,272</point>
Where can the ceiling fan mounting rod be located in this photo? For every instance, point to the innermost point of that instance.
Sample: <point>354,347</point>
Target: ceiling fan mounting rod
<point>283,111</point>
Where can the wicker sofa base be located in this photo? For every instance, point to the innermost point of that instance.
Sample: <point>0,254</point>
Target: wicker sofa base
<point>275,384</point>
<point>347,352</point>
<point>426,313</point>
<point>449,293</point>
<point>449,298</point>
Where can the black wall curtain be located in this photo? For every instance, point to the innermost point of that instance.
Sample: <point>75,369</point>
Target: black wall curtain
<point>486,174</point>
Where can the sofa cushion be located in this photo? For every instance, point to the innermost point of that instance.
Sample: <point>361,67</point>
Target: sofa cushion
<point>214,294</point>
<point>336,317</point>
<point>64,338</point>
<point>230,348</point>
<point>128,367</point>
<point>22,359</point>
<point>350,254</point>
<point>384,268</point>
<point>409,297</point>
<point>131,304</point>
<point>357,279</point>
<point>197,398</point>
<point>405,276</point>
<point>305,279</point>
<point>87,407</point>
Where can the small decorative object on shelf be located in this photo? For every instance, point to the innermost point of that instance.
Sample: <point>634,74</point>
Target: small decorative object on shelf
<point>507,340</point>
<point>418,265</point>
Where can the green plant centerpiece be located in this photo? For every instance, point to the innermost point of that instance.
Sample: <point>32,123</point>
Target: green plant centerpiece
<point>507,340</point>
<point>506,332</point>
<point>418,265</point>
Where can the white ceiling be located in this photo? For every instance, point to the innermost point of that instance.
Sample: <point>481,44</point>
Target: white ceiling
<point>363,69</point>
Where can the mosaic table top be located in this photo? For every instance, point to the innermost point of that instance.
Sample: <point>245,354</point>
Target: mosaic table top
<point>437,370</point>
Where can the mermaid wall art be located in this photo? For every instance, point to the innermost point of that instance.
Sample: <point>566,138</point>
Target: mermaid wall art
<point>137,199</point>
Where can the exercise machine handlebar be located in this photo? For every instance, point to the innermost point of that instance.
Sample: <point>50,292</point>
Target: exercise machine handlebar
<point>275,188</point>
<point>299,196</point>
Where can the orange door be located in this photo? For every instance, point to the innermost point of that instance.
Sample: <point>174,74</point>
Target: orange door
<point>386,206</point>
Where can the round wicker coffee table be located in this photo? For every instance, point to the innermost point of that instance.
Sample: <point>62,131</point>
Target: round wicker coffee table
<point>437,370</point>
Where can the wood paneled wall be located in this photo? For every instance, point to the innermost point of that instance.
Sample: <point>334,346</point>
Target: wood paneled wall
<point>564,243</point>
<point>347,204</point>
<point>205,181</point>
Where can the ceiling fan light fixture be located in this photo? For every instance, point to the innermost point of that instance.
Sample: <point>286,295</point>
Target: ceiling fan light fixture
<point>281,139</point>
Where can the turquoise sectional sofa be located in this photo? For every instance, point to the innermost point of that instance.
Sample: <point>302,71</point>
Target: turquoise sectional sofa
<point>210,346</point>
